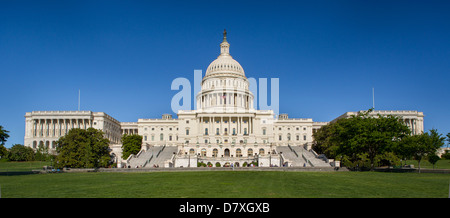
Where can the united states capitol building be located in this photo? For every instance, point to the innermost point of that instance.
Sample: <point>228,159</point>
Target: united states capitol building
<point>224,130</point>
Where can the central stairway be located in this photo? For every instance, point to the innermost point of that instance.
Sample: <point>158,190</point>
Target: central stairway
<point>297,156</point>
<point>154,156</point>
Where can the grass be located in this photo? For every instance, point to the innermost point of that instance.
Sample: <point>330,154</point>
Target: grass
<point>227,184</point>
<point>217,184</point>
<point>441,164</point>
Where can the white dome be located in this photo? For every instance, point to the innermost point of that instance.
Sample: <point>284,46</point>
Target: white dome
<point>225,87</point>
<point>225,65</point>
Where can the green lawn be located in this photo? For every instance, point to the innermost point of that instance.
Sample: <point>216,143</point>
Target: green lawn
<point>227,184</point>
<point>441,164</point>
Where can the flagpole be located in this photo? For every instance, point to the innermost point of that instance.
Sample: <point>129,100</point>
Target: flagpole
<point>373,98</point>
<point>79,93</point>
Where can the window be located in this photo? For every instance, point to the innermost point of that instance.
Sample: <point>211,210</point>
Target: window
<point>289,136</point>
<point>170,138</point>
<point>279,137</point>
<point>187,121</point>
<point>264,131</point>
<point>226,131</point>
<point>145,138</point>
<point>217,131</point>
<point>261,151</point>
<point>187,131</point>
<point>153,138</point>
<point>298,137</point>
<point>234,131</point>
<point>161,137</point>
<point>245,131</point>
<point>238,152</point>
<point>203,152</point>
<point>206,131</point>
<point>191,151</point>
<point>250,152</point>
<point>215,151</point>
<point>304,137</point>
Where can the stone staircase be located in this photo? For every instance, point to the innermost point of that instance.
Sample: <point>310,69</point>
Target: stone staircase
<point>156,155</point>
<point>162,156</point>
<point>297,156</point>
<point>290,157</point>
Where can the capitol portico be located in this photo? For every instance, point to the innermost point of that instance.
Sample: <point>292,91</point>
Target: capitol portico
<point>225,128</point>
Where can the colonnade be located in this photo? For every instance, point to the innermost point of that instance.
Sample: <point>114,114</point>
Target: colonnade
<point>131,131</point>
<point>415,125</point>
<point>227,125</point>
<point>228,99</point>
<point>55,127</point>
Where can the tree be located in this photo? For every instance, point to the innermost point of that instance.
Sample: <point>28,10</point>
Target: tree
<point>3,135</point>
<point>20,152</point>
<point>131,144</point>
<point>448,139</point>
<point>433,159</point>
<point>423,145</point>
<point>3,151</point>
<point>362,140</point>
<point>42,153</point>
<point>81,148</point>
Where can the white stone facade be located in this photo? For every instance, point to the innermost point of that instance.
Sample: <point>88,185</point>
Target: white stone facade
<point>225,128</point>
<point>46,127</point>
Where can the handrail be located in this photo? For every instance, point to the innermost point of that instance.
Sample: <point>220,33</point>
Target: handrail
<point>148,161</point>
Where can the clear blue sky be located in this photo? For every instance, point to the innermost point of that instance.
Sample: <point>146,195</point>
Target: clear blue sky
<point>123,55</point>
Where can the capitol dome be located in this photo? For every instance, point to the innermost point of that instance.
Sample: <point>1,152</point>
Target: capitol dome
<point>225,87</point>
<point>224,65</point>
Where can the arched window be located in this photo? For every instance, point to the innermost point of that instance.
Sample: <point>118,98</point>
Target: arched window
<point>161,137</point>
<point>215,151</point>
<point>191,151</point>
<point>203,153</point>
<point>226,153</point>
<point>238,152</point>
<point>261,151</point>
<point>250,152</point>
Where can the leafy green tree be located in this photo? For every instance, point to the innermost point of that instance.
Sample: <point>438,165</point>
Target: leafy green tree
<point>3,151</point>
<point>448,139</point>
<point>423,145</point>
<point>3,135</point>
<point>362,140</point>
<point>433,159</point>
<point>42,153</point>
<point>20,152</point>
<point>131,144</point>
<point>81,148</point>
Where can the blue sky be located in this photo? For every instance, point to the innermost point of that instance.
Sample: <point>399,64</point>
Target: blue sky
<point>124,55</point>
